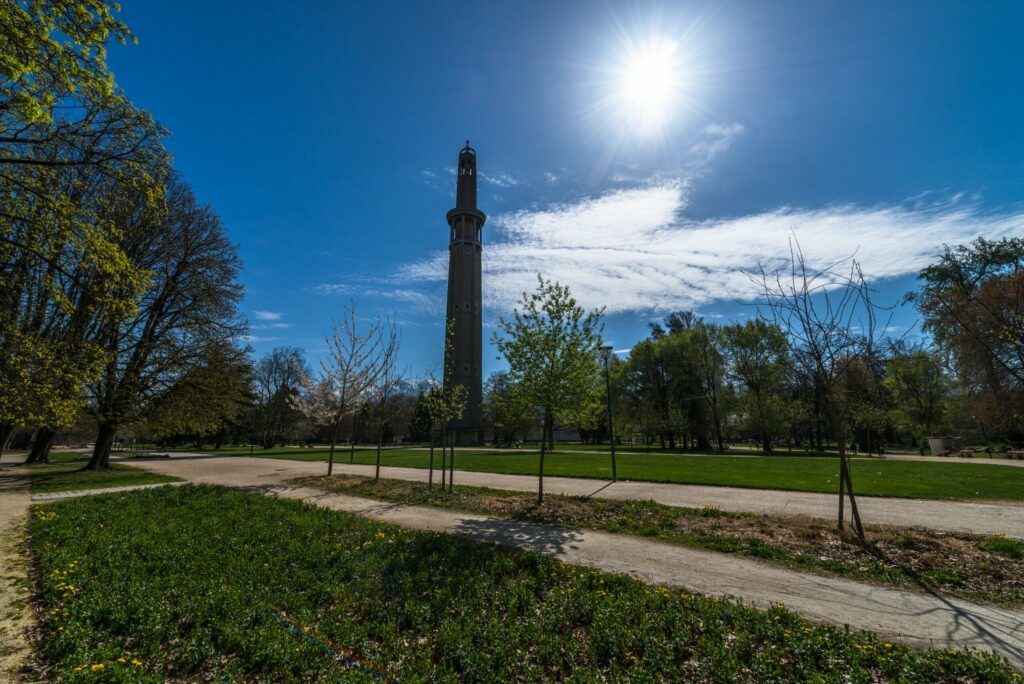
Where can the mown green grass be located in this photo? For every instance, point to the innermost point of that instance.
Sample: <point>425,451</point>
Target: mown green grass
<point>180,583</point>
<point>67,475</point>
<point>872,477</point>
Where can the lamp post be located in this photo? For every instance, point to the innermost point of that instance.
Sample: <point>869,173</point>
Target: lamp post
<point>608,391</point>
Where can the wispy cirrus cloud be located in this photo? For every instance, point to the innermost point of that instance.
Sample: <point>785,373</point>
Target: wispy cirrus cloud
<point>633,250</point>
<point>267,315</point>
<point>422,302</point>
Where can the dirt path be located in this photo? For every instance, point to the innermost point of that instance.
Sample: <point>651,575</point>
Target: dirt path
<point>975,518</point>
<point>15,618</point>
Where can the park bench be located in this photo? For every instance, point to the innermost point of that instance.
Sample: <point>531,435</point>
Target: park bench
<point>1016,454</point>
<point>967,453</point>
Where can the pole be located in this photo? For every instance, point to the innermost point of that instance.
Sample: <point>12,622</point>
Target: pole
<point>611,424</point>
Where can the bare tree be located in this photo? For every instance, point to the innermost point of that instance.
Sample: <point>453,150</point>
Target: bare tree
<point>829,319</point>
<point>357,361</point>
<point>277,380</point>
<point>389,380</point>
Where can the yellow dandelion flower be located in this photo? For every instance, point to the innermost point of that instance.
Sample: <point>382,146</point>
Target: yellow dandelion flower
<point>96,667</point>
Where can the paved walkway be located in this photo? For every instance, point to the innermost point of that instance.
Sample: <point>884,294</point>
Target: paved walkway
<point>976,518</point>
<point>916,618</point>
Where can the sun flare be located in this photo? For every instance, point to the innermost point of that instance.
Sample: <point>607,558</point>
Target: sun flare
<point>649,85</point>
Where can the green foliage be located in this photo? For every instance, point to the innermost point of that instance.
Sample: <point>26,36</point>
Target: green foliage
<point>759,361</point>
<point>208,397</point>
<point>919,386</point>
<point>506,410</point>
<point>972,301</point>
<point>552,347</point>
<point>50,49</point>
<point>189,595</point>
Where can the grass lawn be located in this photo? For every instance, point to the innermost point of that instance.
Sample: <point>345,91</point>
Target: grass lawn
<point>985,569</point>
<point>871,477</point>
<point>66,474</point>
<point>212,584</point>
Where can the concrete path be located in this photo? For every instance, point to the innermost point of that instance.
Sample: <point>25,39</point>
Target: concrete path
<point>916,618</point>
<point>976,518</point>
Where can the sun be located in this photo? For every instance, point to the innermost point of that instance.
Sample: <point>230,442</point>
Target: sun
<point>649,84</point>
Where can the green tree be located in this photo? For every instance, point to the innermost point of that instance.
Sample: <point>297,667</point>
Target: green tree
<point>552,347</point>
<point>72,148</point>
<point>189,304</point>
<point>920,387</point>
<point>506,412</point>
<point>207,399</point>
<point>759,362</point>
<point>972,301</point>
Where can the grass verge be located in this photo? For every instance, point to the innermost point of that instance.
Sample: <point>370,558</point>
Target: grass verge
<point>185,583</point>
<point>67,475</point>
<point>872,477</point>
<point>984,569</point>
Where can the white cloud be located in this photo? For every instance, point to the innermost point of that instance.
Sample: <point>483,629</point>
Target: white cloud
<point>717,138</point>
<point>268,315</point>
<point>631,250</point>
<point>550,178</point>
<point>257,338</point>
<point>501,180</point>
<point>272,326</point>
<point>418,299</point>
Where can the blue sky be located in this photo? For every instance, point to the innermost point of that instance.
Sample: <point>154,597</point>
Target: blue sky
<point>324,134</point>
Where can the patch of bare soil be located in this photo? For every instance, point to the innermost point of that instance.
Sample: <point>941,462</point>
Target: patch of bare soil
<point>985,569</point>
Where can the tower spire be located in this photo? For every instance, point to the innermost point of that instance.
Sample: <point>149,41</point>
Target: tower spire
<point>465,188</point>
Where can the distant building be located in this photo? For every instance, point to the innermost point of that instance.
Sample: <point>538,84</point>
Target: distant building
<point>464,356</point>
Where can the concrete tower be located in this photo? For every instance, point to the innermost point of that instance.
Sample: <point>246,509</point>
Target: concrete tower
<point>464,356</point>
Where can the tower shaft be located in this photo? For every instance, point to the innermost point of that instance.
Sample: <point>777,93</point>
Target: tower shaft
<point>463,361</point>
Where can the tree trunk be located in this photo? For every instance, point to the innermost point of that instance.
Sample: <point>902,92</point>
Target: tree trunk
<point>101,451</point>
<point>40,452</point>
<point>451,466</point>
<point>845,481</point>
<point>766,443</point>
<point>430,476</point>
<point>7,431</point>
<point>330,452</point>
<point>352,451</point>
<point>380,438</point>
<point>444,462</point>
<point>540,472</point>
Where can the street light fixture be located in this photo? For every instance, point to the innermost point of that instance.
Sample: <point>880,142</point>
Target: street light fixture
<point>608,390</point>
